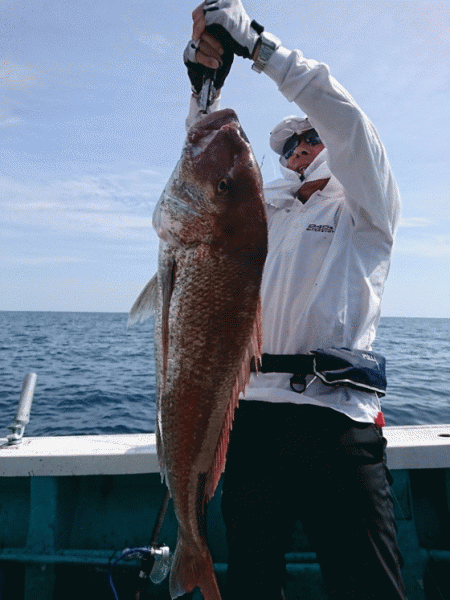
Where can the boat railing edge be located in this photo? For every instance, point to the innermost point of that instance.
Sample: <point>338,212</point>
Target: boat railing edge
<point>408,447</point>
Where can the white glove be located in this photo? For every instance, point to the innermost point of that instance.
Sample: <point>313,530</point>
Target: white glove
<point>240,33</point>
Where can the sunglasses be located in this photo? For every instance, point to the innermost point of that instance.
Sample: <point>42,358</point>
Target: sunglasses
<point>311,137</point>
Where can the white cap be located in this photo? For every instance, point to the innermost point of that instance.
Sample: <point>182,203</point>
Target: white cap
<point>287,128</point>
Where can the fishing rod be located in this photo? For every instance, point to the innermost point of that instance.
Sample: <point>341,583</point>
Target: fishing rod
<point>156,558</point>
<point>154,564</point>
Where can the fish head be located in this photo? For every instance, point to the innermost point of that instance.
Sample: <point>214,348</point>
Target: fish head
<point>214,196</point>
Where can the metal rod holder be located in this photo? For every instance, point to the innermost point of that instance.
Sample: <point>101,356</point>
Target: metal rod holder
<point>22,417</point>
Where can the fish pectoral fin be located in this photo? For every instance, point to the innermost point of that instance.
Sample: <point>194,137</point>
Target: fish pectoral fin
<point>160,454</point>
<point>168,275</point>
<point>145,304</point>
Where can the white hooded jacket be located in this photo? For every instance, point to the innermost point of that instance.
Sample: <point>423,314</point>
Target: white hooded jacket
<point>329,258</point>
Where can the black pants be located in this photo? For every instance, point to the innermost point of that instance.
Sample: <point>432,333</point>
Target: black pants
<point>288,461</point>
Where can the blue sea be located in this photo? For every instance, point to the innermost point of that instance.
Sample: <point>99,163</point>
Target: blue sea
<point>94,375</point>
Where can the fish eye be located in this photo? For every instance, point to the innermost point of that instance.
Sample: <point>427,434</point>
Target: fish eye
<point>223,185</point>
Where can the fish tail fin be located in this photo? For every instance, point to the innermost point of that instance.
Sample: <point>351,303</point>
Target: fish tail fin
<point>193,567</point>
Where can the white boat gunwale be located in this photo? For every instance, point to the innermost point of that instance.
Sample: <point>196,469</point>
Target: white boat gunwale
<point>409,447</point>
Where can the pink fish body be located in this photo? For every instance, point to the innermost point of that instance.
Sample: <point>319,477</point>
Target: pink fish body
<point>211,221</point>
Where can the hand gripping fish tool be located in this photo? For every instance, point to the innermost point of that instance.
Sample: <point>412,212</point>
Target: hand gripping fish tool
<point>213,79</point>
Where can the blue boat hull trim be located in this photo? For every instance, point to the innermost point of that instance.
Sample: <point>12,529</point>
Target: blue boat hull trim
<point>60,533</point>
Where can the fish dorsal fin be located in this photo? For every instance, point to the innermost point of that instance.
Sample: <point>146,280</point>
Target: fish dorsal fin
<point>145,304</point>
<point>254,349</point>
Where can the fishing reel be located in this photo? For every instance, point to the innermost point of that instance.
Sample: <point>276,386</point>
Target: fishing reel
<point>156,563</point>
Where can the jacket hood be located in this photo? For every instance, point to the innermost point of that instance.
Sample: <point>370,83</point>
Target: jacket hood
<point>280,192</point>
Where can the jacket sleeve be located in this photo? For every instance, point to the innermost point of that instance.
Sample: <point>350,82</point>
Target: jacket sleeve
<point>357,157</point>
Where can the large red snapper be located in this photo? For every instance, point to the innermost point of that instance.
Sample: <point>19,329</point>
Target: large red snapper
<point>212,225</point>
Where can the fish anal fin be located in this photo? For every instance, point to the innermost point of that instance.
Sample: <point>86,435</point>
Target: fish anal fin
<point>145,305</point>
<point>193,567</point>
<point>254,349</point>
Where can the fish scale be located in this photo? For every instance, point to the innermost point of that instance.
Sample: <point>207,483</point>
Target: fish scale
<point>206,295</point>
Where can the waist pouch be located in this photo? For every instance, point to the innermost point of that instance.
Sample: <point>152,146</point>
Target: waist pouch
<point>359,369</point>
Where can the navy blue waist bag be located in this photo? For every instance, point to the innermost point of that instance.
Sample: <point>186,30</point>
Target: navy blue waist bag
<point>360,369</point>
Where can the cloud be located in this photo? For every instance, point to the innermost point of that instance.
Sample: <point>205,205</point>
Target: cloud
<point>434,246</point>
<point>157,42</point>
<point>139,187</point>
<point>409,222</point>
<point>114,224</point>
<point>19,76</point>
<point>86,224</point>
<point>16,77</point>
<point>40,260</point>
<point>111,205</point>
<point>109,223</point>
<point>424,237</point>
<point>11,122</point>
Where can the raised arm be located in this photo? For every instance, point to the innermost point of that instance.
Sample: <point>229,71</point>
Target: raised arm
<point>356,155</point>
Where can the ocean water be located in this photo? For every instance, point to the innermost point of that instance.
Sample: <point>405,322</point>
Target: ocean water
<point>97,376</point>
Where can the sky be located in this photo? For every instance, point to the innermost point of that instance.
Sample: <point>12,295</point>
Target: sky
<point>93,98</point>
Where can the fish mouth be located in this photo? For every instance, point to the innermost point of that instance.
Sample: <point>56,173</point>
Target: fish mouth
<point>205,130</point>
<point>178,203</point>
<point>215,120</point>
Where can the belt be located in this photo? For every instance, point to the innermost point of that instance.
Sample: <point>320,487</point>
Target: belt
<point>300,365</point>
<point>359,369</point>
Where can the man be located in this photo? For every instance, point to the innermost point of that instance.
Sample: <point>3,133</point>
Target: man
<point>299,446</point>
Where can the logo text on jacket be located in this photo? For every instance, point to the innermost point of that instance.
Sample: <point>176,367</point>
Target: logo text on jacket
<point>320,228</point>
